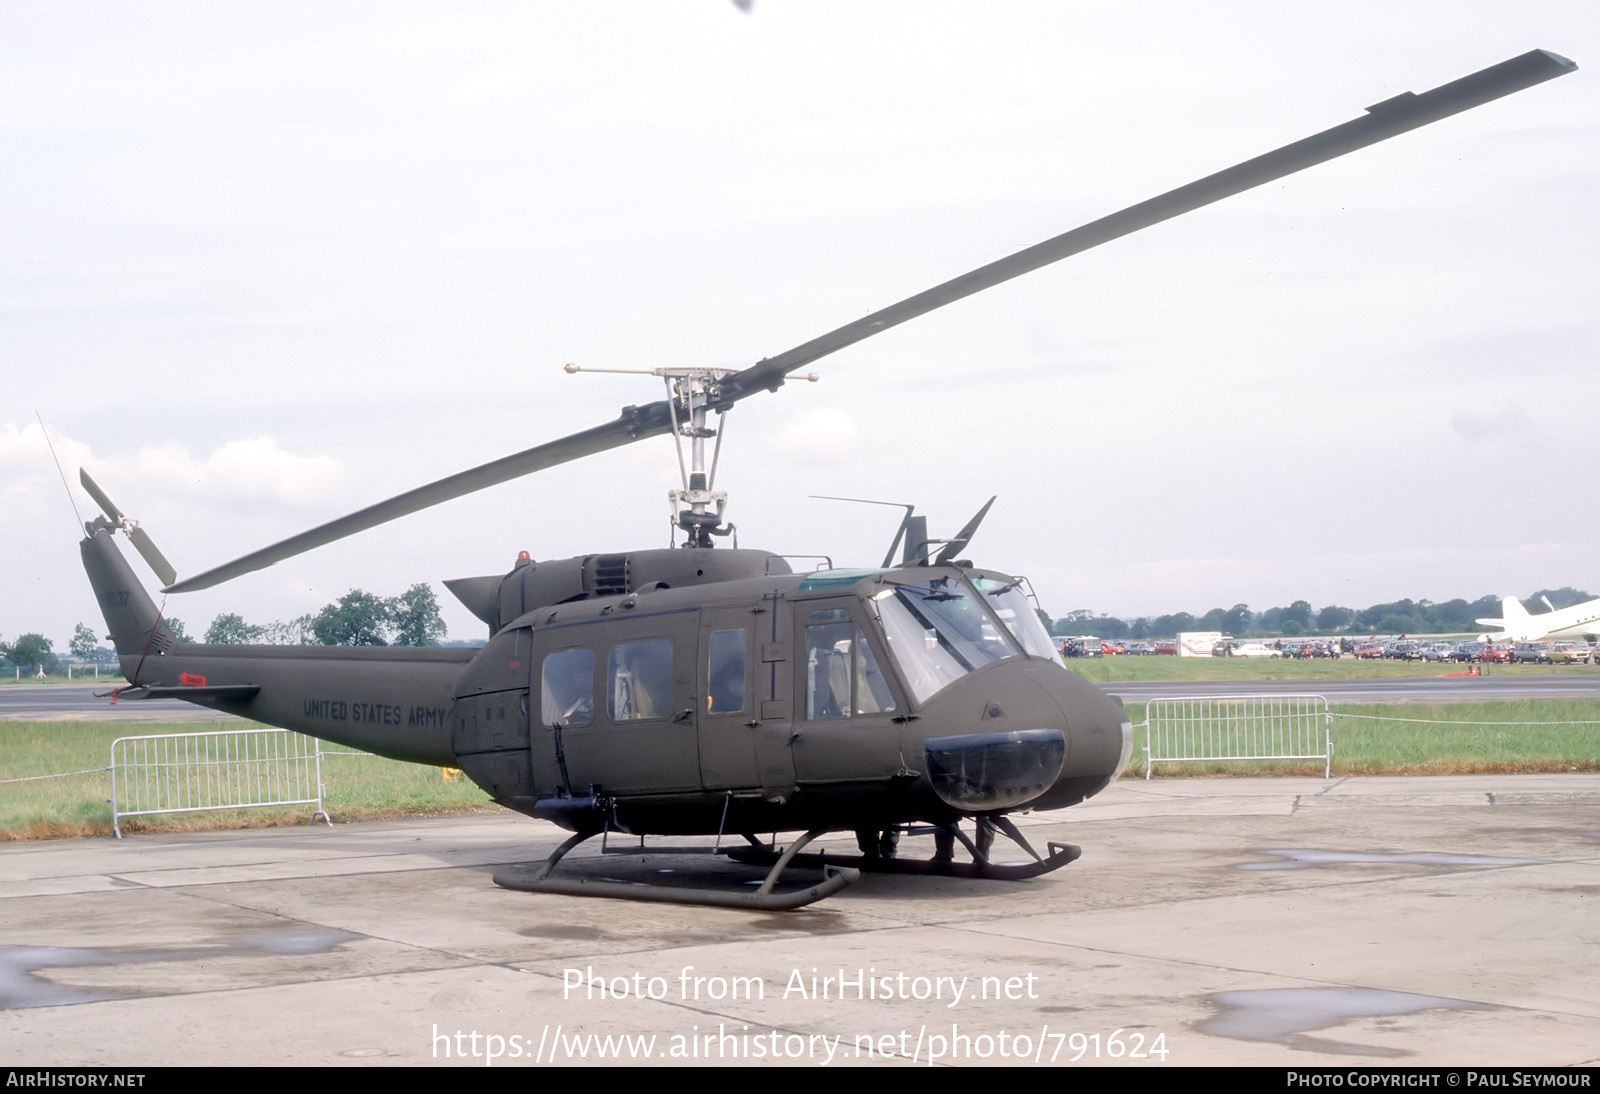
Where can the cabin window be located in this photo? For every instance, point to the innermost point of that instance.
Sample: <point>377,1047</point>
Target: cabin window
<point>842,674</point>
<point>639,680</point>
<point>568,688</point>
<point>725,672</point>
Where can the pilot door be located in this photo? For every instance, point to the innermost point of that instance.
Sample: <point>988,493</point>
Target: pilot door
<point>616,707</point>
<point>847,728</point>
<point>744,699</point>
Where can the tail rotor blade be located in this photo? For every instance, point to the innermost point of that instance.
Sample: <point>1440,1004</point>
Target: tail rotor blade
<point>147,549</point>
<point>137,536</point>
<point>99,497</point>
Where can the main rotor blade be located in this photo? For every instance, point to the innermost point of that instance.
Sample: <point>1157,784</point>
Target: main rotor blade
<point>1389,118</point>
<point>635,424</point>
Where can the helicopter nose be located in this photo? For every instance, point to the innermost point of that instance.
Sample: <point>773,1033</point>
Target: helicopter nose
<point>1023,733</point>
<point>1101,739</point>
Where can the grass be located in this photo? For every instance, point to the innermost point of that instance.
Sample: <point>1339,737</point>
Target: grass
<point>108,675</point>
<point>355,787</point>
<point>1511,737</point>
<point>1536,735</point>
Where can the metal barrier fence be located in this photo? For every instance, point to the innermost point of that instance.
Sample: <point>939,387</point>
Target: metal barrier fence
<point>1254,727</point>
<point>231,769</point>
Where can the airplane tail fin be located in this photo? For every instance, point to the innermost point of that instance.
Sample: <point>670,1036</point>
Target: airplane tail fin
<point>1515,622</point>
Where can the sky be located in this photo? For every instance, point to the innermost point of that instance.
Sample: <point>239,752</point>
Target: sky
<point>261,265</point>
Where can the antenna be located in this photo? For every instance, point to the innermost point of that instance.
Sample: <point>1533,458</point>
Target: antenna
<point>72,501</point>
<point>917,526</point>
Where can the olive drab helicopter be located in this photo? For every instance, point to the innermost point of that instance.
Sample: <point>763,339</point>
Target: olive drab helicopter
<point>710,691</point>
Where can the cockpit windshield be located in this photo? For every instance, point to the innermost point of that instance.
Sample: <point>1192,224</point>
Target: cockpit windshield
<point>1011,604</point>
<point>939,631</point>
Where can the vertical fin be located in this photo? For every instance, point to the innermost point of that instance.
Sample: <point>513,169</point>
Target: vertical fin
<point>131,616</point>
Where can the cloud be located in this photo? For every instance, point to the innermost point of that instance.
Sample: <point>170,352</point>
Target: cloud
<point>822,436</point>
<point>252,468</point>
<point>1492,423</point>
<point>496,81</point>
<point>25,463</point>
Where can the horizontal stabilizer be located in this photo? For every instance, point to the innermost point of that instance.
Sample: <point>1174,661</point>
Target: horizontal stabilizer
<point>187,691</point>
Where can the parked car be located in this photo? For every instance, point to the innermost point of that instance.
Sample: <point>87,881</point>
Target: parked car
<point>1495,653</point>
<point>1531,653</point>
<point>1079,647</point>
<point>1569,653</point>
<point>1255,649</point>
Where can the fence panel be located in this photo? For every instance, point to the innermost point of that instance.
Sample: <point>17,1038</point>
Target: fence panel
<point>230,769</point>
<point>1183,729</point>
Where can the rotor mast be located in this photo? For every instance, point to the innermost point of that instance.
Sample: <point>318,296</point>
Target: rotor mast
<point>691,392</point>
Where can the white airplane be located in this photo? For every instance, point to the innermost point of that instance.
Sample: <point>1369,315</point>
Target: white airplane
<point>1580,620</point>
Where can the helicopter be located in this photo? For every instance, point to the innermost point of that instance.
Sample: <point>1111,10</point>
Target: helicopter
<point>704,690</point>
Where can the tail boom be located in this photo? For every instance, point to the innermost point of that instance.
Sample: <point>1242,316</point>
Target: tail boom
<point>393,701</point>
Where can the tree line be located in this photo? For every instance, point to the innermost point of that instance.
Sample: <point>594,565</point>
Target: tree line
<point>358,618</point>
<point>1299,618</point>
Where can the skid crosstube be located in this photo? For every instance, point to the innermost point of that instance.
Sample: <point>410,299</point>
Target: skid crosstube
<point>1060,855</point>
<point>540,880</point>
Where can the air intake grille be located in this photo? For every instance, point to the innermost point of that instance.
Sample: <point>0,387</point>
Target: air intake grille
<point>608,575</point>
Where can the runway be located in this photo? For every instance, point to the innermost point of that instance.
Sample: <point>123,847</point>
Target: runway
<point>80,703</point>
<point>1282,922</point>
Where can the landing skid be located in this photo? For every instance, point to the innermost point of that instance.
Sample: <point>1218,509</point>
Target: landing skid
<point>540,880</point>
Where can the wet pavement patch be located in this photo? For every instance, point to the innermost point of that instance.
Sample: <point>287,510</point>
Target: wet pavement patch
<point>1301,859</point>
<point>21,987</point>
<point>1285,1015</point>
